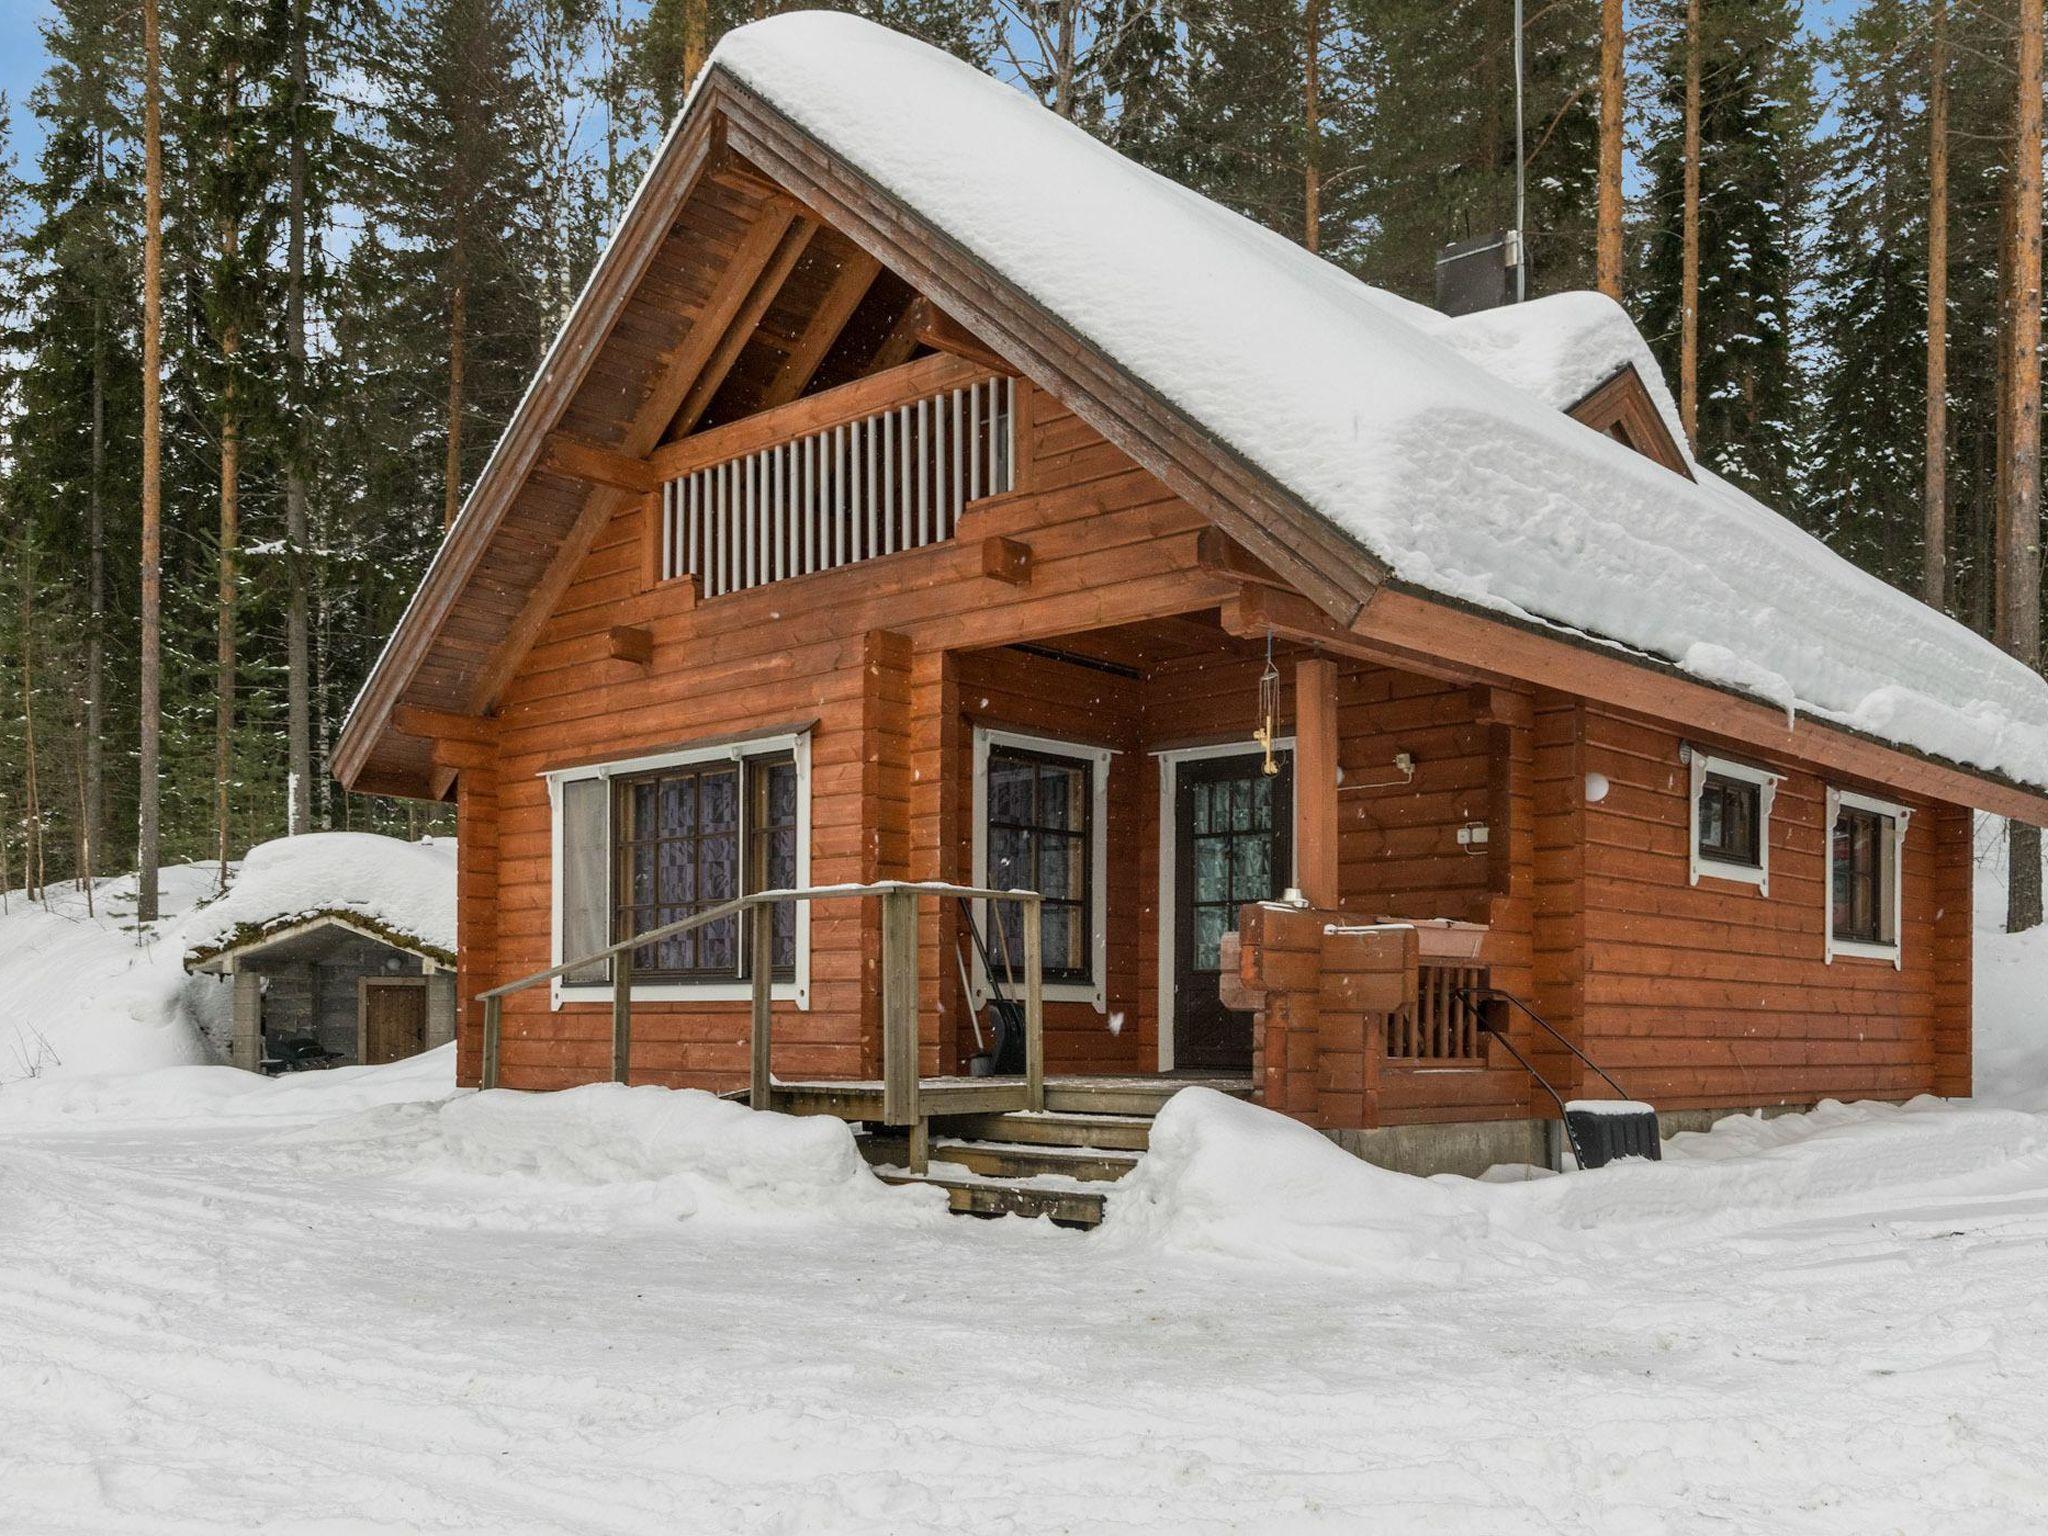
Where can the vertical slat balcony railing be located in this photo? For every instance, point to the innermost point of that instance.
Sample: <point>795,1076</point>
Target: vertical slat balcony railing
<point>894,480</point>
<point>902,1088</point>
<point>1444,1025</point>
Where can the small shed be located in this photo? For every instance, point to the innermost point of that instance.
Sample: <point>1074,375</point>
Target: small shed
<point>346,937</point>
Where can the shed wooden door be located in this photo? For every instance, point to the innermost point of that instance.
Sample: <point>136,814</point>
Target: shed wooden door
<point>394,1020</point>
<point>1233,843</point>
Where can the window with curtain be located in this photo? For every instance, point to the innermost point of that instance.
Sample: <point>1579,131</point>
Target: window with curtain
<point>639,851</point>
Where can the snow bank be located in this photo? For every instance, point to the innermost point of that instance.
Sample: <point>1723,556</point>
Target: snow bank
<point>226,1093</point>
<point>83,993</point>
<point>1224,1176</point>
<point>1463,481</point>
<point>2011,1024</point>
<point>605,1151</point>
<point>405,890</point>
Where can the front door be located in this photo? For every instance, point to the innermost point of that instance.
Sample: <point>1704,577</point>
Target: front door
<point>394,1020</point>
<point>1233,843</point>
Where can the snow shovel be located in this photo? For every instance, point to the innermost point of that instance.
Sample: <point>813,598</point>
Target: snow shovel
<point>1600,1130</point>
<point>1006,1017</point>
<point>982,1063</point>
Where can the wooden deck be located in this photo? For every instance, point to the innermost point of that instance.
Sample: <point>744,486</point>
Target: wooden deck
<point>939,1097</point>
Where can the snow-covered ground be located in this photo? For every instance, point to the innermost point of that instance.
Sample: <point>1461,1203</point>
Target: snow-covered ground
<point>358,1301</point>
<point>303,1307</point>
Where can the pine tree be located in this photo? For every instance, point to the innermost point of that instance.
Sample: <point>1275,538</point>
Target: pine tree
<point>1441,163</point>
<point>1754,167</point>
<point>79,375</point>
<point>1869,323</point>
<point>462,130</point>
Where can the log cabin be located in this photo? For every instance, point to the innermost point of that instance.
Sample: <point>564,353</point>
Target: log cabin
<point>922,502</point>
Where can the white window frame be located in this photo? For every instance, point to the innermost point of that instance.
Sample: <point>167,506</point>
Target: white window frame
<point>1767,783</point>
<point>797,745</point>
<point>1095,990</point>
<point>1170,760</point>
<point>1901,817</point>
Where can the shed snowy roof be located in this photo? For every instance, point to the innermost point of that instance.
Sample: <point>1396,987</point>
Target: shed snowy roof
<point>398,891</point>
<point>1437,444</point>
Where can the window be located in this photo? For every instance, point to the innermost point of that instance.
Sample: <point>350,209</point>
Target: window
<point>1729,812</point>
<point>642,844</point>
<point>1038,839</point>
<point>1039,814</point>
<point>1731,820</point>
<point>1866,841</point>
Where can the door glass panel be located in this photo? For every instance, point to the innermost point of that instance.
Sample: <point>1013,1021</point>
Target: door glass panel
<point>1212,868</point>
<point>1209,929</point>
<point>1252,860</point>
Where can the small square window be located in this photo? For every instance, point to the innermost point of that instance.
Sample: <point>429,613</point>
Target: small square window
<point>1862,871</point>
<point>1731,814</point>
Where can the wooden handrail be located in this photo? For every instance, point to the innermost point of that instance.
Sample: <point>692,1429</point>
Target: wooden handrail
<point>900,1080</point>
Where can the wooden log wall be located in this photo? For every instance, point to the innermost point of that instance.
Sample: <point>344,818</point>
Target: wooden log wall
<point>1706,995</point>
<point>1718,994</point>
<point>1108,544</point>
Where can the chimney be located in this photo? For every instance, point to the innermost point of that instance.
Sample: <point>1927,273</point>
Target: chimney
<point>1479,273</point>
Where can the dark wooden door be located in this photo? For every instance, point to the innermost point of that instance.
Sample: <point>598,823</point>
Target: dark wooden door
<point>394,1021</point>
<point>1233,843</point>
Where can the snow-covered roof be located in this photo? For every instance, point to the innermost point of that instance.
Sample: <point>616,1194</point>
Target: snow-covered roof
<point>1437,444</point>
<point>401,892</point>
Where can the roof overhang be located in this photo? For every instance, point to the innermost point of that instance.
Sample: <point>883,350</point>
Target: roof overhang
<point>222,959</point>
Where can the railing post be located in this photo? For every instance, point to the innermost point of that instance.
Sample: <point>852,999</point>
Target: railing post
<point>1034,1002</point>
<point>761,1088</point>
<point>622,1015</point>
<point>899,1007</point>
<point>493,1008</point>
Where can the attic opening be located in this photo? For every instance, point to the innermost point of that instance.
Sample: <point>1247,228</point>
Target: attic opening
<point>815,410</point>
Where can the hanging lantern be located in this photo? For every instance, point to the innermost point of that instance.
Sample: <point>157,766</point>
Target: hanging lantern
<point>1269,707</point>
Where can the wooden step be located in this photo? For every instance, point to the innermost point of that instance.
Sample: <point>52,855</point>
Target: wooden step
<point>970,1195</point>
<point>1119,1133</point>
<point>1130,1095</point>
<point>1007,1159</point>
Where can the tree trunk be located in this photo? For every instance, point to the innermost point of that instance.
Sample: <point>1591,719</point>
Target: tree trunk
<point>31,793</point>
<point>696,39</point>
<point>1312,125</point>
<point>298,714</point>
<point>224,647</point>
<point>147,851</point>
<point>458,324</point>
<point>96,584</point>
<point>1689,279</point>
<point>1934,501</point>
<point>2020,537</point>
<point>1613,106</point>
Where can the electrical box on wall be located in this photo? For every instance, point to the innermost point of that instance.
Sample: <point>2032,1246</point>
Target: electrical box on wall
<point>1472,835</point>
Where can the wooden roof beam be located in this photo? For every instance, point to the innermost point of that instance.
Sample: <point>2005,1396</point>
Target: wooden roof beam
<point>740,328</point>
<point>942,333</point>
<point>1258,611</point>
<point>571,456</point>
<point>693,353</point>
<point>857,274</point>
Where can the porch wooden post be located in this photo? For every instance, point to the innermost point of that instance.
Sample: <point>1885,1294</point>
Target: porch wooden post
<point>247,1044</point>
<point>761,1088</point>
<point>622,1015</point>
<point>899,1007</point>
<point>1034,1002</point>
<point>1315,780</point>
